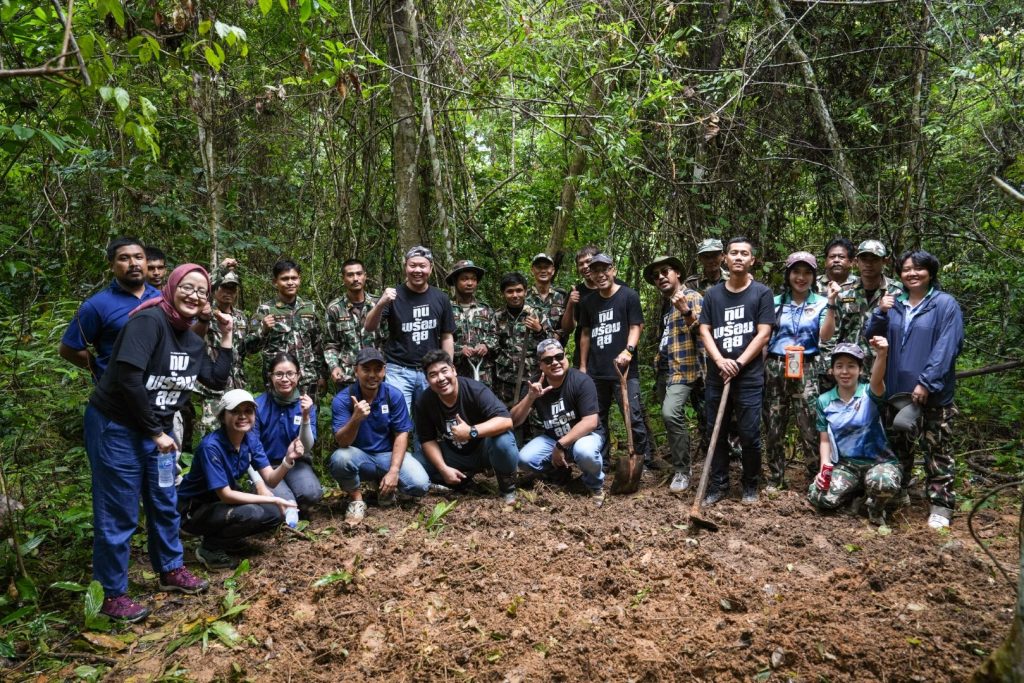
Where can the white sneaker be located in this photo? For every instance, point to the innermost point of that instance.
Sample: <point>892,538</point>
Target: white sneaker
<point>680,482</point>
<point>937,521</point>
<point>355,512</point>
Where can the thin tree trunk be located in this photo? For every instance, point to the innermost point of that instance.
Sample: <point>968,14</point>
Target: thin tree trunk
<point>821,112</point>
<point>914,200</point>
<point>405,153</point>
<point>203,108</point>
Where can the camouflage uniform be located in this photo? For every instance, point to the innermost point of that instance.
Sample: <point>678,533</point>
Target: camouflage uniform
<point>517,346</point>
<point>854,310</point>
<point>474,324</point>
<point>781,395</point>
<point>236,380</point>
<point>825,379</point>
<point>298,331</point>
<point>880,481</point>
<point>345,336</point>
<point>553,307</point>
<point>936,441</point>
<point>700,284</point>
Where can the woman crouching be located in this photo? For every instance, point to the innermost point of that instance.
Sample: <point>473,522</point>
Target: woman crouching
<point>210,501</point>
<point>855,455</point>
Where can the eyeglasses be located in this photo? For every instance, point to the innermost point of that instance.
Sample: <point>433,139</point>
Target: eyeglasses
<point>284,375</point>
<point>662,272</point>
<point>557,358</point>
<point>188,289</point>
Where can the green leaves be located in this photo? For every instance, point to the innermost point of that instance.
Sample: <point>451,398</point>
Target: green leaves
<point>93,601</point>
<point>119,95</point>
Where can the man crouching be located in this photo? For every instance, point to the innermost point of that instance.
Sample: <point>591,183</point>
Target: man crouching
<point>464,429</point>
<point>566,402</point>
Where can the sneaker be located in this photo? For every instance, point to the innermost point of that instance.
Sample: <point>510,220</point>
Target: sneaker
<point>750,494</point>
<point>509,497</point>
<point>215,558</point>
<point>387,501</point>
<point>439,489</point>
<point>183,581</point>
<point>713,497</point>
<point>680,482</point>
<point>355,512</point>
<point>598,497</point>
<point>507,488</point>
<point>124,608</point>
<point>876,512</point>
<point>937,521</point>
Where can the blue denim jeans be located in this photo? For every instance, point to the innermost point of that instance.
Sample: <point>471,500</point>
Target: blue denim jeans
<point>497,452</point>
<point>412,383</point>
<point>350,465</point>
<point>745,405</point>
<point>585,452</point>
<point>124,469</point>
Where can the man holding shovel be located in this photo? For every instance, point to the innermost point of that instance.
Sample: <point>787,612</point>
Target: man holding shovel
<point>735,324</point>
<point>475,334</point>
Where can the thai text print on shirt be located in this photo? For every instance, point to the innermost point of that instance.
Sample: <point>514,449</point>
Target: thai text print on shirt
<point>730,335</point>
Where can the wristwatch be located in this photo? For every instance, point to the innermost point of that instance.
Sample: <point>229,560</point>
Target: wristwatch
<point>473,433</point>
<point>631,348</point>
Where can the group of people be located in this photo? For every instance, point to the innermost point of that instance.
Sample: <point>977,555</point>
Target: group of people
<point>431,390</point>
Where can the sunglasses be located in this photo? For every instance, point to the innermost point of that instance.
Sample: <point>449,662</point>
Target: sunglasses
<point>557,358</point>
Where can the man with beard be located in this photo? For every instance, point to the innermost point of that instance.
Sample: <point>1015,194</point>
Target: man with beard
<point>345,318</point>
<point>677,362</point>
<point>101,316</point>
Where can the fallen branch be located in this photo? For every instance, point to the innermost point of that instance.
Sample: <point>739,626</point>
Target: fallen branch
<point>989,369</point>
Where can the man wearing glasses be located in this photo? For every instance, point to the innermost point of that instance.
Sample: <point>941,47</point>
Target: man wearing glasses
<point>677,362</point>
<point>565,400</point>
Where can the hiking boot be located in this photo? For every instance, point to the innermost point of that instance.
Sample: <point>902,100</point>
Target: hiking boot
<point>124,608</point>
<point>183,581</point>
<point>680,482</point>
<point>876,512</point>
<point>355,512</point>
<point>598,497</point>
<point>713,497</point>
<point>749,494</point>
<point>215,558</point>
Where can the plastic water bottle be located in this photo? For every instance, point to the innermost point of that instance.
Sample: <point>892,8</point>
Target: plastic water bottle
<point>291,517</point>
<point>165,467</point>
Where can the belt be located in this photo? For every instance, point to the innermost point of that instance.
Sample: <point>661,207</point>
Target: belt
<point>807,356</point>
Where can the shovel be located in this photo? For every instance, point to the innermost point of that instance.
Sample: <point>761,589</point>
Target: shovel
<point>705,474</point>
<point>628,468</point>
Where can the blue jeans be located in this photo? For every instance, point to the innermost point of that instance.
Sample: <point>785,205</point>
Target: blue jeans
<point>412,383</point>
<point>349,465</point>
<point>745,405</point>
<point>585,452</point>
<point>497,452</point>
<point>300,484</point>
<point>123,464</point>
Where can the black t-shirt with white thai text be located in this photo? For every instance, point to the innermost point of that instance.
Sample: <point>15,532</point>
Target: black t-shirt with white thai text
<point>734,317</point>
<point>475,404</point>
<point>609,321</point>
<point>416,321</point>
<point>562,408</point>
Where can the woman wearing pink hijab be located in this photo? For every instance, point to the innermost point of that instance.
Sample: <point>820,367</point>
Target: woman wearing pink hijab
<point>153,369</point>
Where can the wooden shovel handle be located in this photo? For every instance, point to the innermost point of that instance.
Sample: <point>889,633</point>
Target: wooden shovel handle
<point>625,406</point>
<point>706,472</point>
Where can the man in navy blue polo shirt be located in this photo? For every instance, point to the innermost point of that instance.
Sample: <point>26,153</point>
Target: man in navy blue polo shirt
<point>371,427</point>
<point>101,317</point>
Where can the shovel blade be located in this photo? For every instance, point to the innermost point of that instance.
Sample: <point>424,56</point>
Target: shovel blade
<point>628,471</point>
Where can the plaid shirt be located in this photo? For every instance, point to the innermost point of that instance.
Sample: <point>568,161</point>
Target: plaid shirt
<point>678,352</point>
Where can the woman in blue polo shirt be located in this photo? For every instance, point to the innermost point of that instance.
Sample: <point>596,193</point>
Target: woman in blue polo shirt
<point>802,318</point>
<point>283,417</point>
<point>210,501</point>
<point>854,453</point>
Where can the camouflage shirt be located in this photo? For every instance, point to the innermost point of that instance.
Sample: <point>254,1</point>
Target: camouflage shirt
<point>821,287</point>
<point>345,334</point>
<point>517,345</point>
<point>553,306</point>
<point>854,310</point>
<point>821,284</point>
<point>474,324</point>
<point>698,283</point>
<point>236,380</point>
<point>297,330</point>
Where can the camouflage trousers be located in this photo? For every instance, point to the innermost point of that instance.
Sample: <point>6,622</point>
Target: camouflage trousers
<point>782,398</point>
<point>879,481</point>
<point>936,441</point>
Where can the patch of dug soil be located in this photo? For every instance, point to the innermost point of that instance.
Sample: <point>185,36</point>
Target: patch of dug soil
<point>556,589</point>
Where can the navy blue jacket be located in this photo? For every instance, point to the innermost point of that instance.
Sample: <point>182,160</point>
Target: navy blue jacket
<point>926,354</point>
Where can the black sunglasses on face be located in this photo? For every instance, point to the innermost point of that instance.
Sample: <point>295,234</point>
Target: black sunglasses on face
<point>557,358</point>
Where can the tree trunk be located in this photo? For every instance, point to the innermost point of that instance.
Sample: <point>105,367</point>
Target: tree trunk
<point>821,112</point>
<point>404,148</point>
<point>913,202</point>
<point>578,164</point>
<point>202,105</point>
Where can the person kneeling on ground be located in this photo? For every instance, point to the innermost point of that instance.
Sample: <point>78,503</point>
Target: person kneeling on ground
<point>464,429</point>
<point>566,402</point>
<point>371,428</point>
<point>855,455</point>
<point>210,502</point>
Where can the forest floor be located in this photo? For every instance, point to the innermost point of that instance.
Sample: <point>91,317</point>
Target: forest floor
<point>557,589</point>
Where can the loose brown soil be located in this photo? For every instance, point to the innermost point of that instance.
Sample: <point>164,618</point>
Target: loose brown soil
<point>555,589</point>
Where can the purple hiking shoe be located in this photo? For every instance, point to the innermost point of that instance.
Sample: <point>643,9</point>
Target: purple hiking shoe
<point>124,608</point>
<point>183,581</point>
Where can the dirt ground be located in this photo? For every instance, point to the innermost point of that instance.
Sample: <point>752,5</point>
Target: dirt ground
<point>556,589</point>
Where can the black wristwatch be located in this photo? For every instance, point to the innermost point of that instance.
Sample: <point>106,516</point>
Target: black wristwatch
<point>631,348</point>
<point>559,446</point>
<point>473,433</point>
